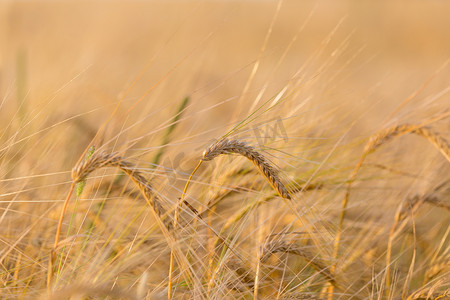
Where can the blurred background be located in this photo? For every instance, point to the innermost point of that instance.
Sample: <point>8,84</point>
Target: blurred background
<point>86,55</point>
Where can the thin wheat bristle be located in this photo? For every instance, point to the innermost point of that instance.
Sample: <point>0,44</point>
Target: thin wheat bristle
<point>227,146</point>
<point>300,296</point>
<point>411,205</point>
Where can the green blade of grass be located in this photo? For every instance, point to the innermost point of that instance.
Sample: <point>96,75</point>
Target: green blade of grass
<point>170,129</point>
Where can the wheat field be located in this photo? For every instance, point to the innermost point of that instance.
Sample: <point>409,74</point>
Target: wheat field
<point>224,149</point>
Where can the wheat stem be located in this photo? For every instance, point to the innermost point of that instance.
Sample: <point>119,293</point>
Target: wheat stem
<point>175,224</point>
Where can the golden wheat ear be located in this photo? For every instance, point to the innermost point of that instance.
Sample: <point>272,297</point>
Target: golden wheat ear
<point>101,160</point>
<point>227,146</point>
<point>385,135</point>
<point>272,246</point>
<point>96,161</point>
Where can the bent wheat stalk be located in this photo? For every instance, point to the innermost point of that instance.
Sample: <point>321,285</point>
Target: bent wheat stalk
<point>373,144</point>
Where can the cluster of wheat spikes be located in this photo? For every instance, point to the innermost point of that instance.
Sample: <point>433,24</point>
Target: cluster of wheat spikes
<point>326,268</point>
<point>372,145</point>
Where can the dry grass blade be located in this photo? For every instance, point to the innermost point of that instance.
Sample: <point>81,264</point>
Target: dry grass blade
<point>227,146</point>
<point>429,292</point>
<point>374,143</point>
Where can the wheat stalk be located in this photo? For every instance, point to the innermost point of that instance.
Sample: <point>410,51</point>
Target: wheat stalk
<point>438,202</point>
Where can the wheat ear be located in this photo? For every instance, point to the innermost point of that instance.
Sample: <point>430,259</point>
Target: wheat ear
<point>227,146</point>
<point>276,246</point>
<point>86,167</point>
<point>374,143</point>
<point>436,269</point>
<point>81,171</point>
<point>270,173</point>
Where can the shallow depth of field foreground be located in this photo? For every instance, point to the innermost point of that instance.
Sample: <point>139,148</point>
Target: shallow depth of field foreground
<point>224,150</point>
